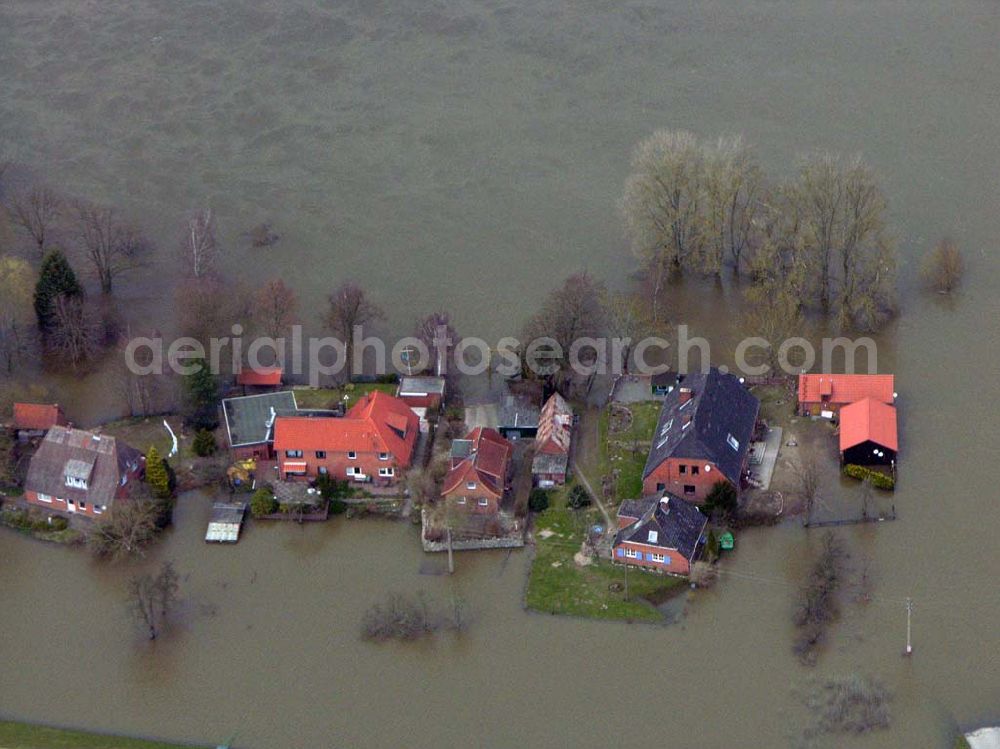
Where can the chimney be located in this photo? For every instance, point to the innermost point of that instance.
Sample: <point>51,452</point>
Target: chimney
<point>665,504</point>
<point>685,394</point>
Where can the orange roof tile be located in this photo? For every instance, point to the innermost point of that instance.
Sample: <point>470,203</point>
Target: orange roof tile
<point>38,416</point>
<point>868,419</point>
<point>376,423</point>
<point>260,376</point>
<point>843,388</point>
<point>487,462</point>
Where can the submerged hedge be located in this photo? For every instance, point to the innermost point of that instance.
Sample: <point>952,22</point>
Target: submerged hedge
<point>878,480</point>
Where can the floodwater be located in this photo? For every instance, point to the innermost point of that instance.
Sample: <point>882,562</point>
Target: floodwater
<point>467,155</point>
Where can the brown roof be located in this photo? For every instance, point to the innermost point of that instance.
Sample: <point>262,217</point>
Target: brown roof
<point>37,416</point>
<point>486,462</point>
<point>99,460</point>
<point>555,426</point>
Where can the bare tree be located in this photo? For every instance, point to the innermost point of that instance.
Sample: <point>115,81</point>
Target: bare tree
<point>75,334</point>
<point>627,319</point>
<point>734,185</point>
<point>125,529</point>
<point>137,391</point>
<point>112,246</point>
<point>275,308</point>
<point>434,331</point>
<point>943,267</point>
<point>16,284</point>
<point>662,205</point>
<point>35,211</point>
<point>350,311</point>
<point>153,596</point>
<point>198,247</point>
<point>808,475</point>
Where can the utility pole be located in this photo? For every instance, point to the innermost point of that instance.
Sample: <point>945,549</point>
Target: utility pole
<point>909,614</point>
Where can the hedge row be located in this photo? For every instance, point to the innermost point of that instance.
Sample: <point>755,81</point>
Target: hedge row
<point>878,480</point>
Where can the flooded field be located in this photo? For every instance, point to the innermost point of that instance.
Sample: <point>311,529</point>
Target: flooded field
<point>467,155</point>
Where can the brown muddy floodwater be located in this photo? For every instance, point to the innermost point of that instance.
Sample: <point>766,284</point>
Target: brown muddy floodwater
<point>466,154</point>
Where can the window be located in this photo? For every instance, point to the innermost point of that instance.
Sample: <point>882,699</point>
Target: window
<point>98,509</point>
<point>76,483</point>
<point>733,442</point>
<point>293,453</point>
<point>694,470</point>
<point>470,485</point>
<point>683,469</point>
<point>461,500</point>
<point>483,501</point>
<point>666,427</point>
<point>44,497</point>
<point>320,454</point>
<point>656,558</point>
<point>83,505</point>
<point>323,470</point>
<point>385,472</point>
<point>351,471</point>
<point>352,455</point>
<point>689,489</point>
<point>383,456</point>
<point>660,487</point>
<point>631,553</point>
<point>654,536</point>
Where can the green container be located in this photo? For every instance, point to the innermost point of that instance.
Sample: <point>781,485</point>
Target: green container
<point>727,542</point>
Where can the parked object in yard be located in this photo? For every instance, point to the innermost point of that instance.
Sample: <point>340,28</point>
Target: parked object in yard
<point>226,522</point>
<point>727,542</point>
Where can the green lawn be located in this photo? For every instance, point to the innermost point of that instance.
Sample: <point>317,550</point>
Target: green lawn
<point>328,397</point>
<point>25,736</point>
<point>558,586</point>
<point>644,418</point>
<point>627,458</point>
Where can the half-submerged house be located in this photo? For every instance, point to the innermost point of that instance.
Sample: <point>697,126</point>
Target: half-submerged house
<point>78,472</point>
<point>868,435</point>
<point>702,437</point>
<point>550,465</point>
<point>661,533</point>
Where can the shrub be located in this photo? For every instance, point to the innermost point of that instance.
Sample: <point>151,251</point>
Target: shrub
<point>263,503</point>
<point>157,475</point>
<point>337,506</point>
<point>333,488</point>
<point>204,443</point>
<point>578,497</point>
<point>722,499</point>
<point>817,603</point>
<point>538,501</point>
<point>852,704</point>
<point>877,479</point>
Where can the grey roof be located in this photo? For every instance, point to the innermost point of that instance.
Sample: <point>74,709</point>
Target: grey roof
<point>100,460</point>
<point>226,512</point>
<point>549,463</point>
<point>518,411</point>
<point>674,523</point>
<point>421,385</point>
<point>461,448</point>
<point>720,414</point>
<point>249,419</point>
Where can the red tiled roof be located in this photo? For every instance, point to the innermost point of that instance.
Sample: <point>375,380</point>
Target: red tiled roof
<point>486,463</point>
<point>260,376</point>
<point>38,416</point>
<point>868,419</point>
<point>843,388</point>
<point>376,423</point>
<point>555,426</point>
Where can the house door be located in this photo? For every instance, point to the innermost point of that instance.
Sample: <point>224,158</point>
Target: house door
<point>71,505</point>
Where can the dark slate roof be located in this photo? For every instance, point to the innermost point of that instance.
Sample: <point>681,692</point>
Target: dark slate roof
<point>518,411</point>
<point>549,463</point>
<point>421,385</point>
<point>721,412</point>
<point>249,419</point>
<point>677,524</point>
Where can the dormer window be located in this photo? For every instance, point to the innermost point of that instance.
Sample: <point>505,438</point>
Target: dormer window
<point>733,442</point>
<point>77,472</point>
<point>470,485</point>
<point>653,536</point>
<point>383,456</point>
<point>352,455</point>
<point>666,427</point>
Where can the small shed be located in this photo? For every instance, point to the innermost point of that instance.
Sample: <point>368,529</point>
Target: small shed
<point>518,417</point>
<point>422,392</point>
<point>226,522</point>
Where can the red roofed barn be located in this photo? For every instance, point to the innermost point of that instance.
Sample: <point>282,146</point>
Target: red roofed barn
<point>830,392</point>
<point>480,470</point>
<point>35,419</point>
<point>555,431</point>
<point>374,441</point>
<point>868,433</point>
<point>259,377</point>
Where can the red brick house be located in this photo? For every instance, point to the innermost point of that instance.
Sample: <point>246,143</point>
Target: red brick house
<point>552,443</point>
<point>702,437</point>
<point>78,472</point>
<point>826,394</point>
<point>35,419</point>
<point>375,441</point>
<point>659,533</point>
<point>868,435</point>
<point>480,472</point>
